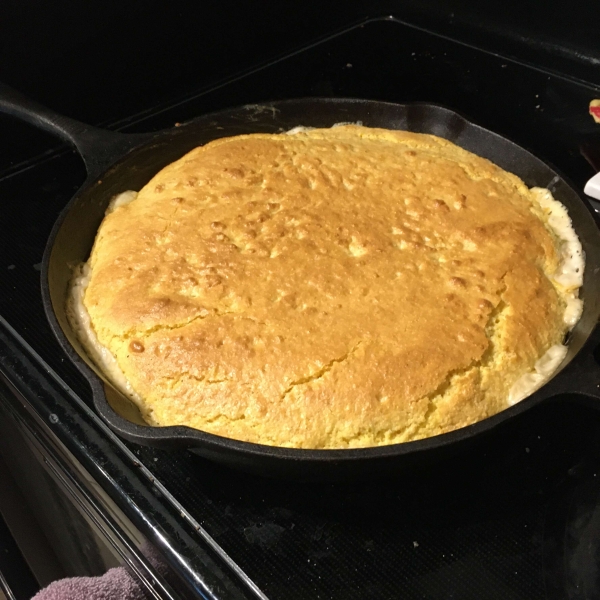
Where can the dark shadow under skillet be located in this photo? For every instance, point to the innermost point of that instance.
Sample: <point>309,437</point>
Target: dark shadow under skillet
<point>118,162</point>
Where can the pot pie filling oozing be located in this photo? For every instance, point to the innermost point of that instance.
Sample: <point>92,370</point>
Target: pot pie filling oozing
<point>333,288</point>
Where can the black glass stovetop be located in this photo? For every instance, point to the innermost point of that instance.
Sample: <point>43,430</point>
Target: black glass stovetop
<point>515,517</point>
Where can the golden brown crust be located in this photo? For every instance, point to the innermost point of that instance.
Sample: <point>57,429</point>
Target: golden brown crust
<point>335,288</point>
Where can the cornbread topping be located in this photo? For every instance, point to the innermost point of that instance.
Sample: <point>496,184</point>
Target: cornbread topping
<point>330,288</point>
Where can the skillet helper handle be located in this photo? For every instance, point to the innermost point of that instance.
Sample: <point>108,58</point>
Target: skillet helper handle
<point>98,148</point>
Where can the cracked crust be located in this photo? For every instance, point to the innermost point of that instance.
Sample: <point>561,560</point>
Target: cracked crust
<point>334,288</point>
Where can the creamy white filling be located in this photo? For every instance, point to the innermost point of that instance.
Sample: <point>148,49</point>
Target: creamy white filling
<point>80,321</point>
<point>121,199</point>
<point>568,279</point>
<point>299,129</point>
<point>569,276</point>
<point>573,311</point>
<point>302,128</point>
<point>543,370</point>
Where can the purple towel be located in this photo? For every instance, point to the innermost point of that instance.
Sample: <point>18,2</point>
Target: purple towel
<point>115,584</point>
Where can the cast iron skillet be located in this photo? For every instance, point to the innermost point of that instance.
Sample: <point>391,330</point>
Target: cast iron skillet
<point>118,162</point>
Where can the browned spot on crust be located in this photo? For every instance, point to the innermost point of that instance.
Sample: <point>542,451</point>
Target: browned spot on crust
<point>458,282</point>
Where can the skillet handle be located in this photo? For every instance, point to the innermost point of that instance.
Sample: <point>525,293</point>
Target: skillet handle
<point>98,148</point>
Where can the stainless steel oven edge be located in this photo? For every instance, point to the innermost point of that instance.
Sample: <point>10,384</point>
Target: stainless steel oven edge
<point>125,510</point>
